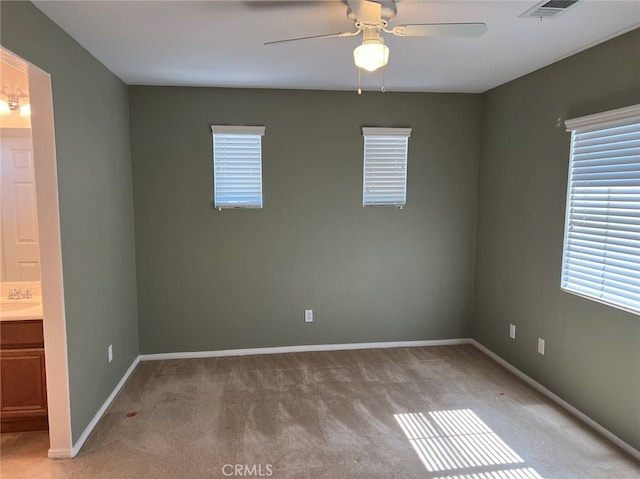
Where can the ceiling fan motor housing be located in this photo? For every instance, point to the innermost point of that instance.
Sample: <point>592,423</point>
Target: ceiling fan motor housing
<point>389,10</point>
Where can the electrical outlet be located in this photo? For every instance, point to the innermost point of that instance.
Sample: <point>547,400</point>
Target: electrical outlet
<point>110,352</point>
<point>541,346</point>
<point>308,316</point>
<point>512,331</point>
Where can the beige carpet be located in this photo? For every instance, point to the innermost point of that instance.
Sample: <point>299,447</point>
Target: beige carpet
<point>439,412</point>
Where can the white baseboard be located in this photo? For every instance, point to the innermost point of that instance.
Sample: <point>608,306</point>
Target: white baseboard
<point>85,434</point>
<point>559,401</point>
<point>59,453</point>
<point>302,349</point>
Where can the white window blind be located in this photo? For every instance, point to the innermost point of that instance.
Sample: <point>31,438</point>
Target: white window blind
<point>385,166</point>
<point>237,166</point>
<point>601,258</point>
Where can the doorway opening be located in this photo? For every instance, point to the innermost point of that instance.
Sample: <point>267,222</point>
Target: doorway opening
<point>31,254</point>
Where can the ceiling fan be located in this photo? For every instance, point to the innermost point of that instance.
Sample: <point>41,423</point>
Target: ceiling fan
<point>371,18</point>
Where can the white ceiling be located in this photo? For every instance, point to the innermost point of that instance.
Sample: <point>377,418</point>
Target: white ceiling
<point>220,43</point>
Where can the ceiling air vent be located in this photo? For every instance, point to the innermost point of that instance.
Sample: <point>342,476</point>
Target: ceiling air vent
<point>548,9</point>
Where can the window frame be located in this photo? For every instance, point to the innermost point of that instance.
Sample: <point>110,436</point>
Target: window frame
<point>257,131</point>
<point>369,198</point>
<point>577,126</point>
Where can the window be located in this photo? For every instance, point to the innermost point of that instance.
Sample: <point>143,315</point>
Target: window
<point>237,166</point>
<point>601,258</point>
<point>385,166</point>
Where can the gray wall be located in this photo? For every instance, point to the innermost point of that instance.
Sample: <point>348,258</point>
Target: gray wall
<point>210,280</point>
<point>96,208</point>
<point>592,357</point>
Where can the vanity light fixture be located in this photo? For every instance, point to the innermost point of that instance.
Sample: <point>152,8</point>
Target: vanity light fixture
<point>13,102</point>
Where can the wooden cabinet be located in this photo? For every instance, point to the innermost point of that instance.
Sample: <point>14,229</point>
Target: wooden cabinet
<point>23,390</point>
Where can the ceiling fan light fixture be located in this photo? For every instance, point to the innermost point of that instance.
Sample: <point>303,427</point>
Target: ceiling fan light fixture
<point>371,55</point>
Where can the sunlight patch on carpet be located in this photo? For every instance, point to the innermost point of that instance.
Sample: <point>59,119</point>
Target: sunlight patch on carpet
<point>460,440</point>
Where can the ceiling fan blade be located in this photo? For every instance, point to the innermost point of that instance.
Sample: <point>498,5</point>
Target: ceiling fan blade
<point>369,13</point>
<point>441,30</point>
<point>328,35</point>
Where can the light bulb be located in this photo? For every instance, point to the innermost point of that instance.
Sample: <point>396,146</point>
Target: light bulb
<point>25,111</point>
<point>4,108</point>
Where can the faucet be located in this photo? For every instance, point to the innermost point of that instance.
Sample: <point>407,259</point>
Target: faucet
<point>15,293</point>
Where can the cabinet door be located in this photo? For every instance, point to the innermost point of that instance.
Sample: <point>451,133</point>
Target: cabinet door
<point>23,396</point>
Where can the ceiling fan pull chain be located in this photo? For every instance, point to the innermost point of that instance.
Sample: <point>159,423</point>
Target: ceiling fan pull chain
<point>384,69</point>
<point>359,81</point>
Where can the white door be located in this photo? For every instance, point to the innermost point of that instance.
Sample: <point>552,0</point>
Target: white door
<point>20,252</point>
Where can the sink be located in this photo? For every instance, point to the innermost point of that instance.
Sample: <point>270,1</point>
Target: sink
<point>7,305</point>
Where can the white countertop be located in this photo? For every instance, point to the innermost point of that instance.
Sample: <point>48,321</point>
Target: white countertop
<point>20,309</point>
